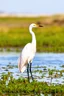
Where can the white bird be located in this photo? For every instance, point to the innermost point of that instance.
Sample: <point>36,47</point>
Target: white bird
<point>28,53</point>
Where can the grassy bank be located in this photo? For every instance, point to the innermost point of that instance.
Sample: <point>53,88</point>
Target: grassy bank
<point>14,33</point>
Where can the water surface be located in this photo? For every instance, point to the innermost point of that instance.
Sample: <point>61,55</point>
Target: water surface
<point>42,61</point>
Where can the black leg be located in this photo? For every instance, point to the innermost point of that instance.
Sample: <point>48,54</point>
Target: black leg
<point>31,70</point>
<point>28,71</point>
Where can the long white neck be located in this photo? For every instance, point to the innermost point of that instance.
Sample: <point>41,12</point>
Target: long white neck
<point>33,36</point>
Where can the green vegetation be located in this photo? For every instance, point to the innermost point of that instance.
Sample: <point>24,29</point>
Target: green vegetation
<point>10,86</point>
<point>14,33</point>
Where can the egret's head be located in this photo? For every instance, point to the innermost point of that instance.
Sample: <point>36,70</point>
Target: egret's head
<point>38,24</point>
<point>33,25</point>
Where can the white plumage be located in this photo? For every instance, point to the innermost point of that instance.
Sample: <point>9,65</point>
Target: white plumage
<point>28,51</point>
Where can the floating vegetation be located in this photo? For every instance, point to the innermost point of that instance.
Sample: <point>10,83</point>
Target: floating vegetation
<point>20,86</point>
<point>48,78</point>
<point>8,84</point>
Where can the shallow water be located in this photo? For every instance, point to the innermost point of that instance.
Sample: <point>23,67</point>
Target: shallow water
<point>42,61</point>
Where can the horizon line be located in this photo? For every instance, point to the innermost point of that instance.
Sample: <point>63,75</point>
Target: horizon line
<point>6,14</point>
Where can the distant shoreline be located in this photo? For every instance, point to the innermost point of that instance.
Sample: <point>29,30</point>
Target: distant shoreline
<point>2,14</point>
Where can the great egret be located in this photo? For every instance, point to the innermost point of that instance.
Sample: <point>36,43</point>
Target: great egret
<point>28,53</point>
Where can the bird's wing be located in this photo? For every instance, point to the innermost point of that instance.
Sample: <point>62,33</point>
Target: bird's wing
<point>24,56</point>
<point>28,52</point>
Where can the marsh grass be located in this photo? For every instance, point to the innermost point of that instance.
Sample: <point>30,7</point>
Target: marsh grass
<point>47,40</point>
<point>15,33</point>
<point>11,86</point>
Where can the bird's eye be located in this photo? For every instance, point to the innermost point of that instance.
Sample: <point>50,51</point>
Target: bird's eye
<point>34,25</point>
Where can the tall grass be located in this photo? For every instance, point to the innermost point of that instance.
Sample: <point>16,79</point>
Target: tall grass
<point>48,38</point>
<point>14,33</point>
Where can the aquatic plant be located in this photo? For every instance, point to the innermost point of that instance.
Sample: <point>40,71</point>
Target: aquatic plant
<point>50,74</point>
<point>23,87</point>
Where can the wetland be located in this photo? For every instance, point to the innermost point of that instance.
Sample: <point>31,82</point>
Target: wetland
<point>48,73</point>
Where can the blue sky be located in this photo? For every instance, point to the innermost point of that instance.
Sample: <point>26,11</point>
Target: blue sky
<point>32,6</point>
